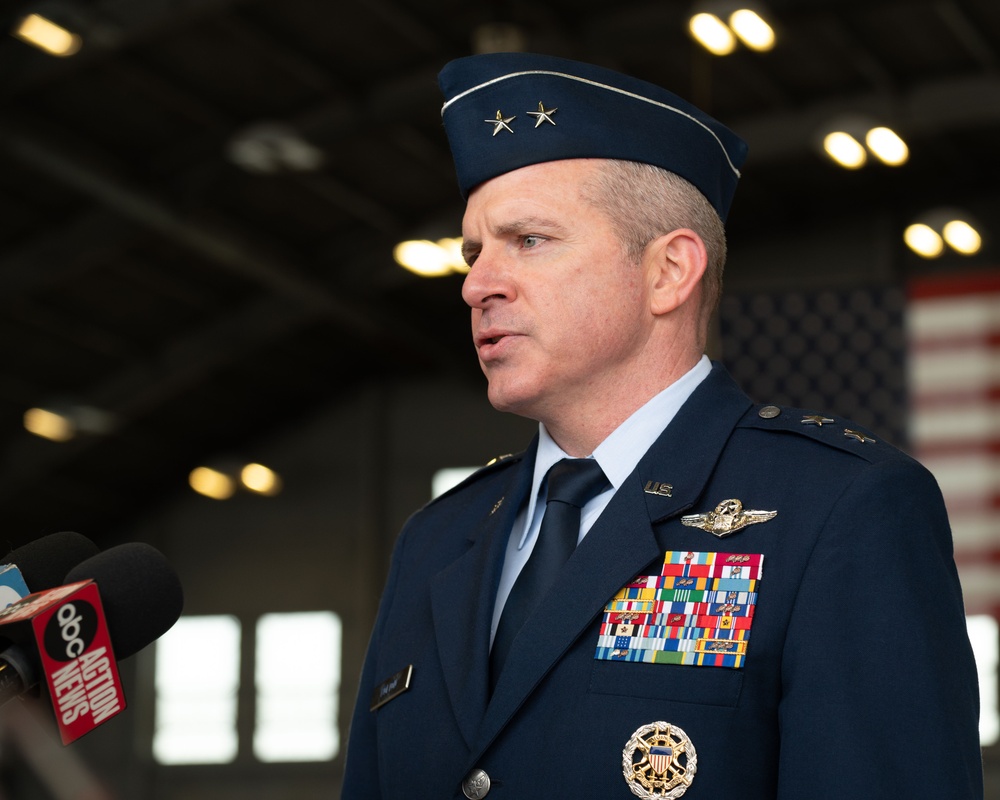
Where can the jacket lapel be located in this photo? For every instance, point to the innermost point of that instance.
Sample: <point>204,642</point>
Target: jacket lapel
<point>620,544</point>
<point>685,454</point>
<point>462,629</point>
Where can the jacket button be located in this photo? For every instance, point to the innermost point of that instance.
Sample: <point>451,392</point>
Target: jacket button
<point>476,784</point>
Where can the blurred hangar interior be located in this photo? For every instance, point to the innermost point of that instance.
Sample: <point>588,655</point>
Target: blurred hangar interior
<point>201,201</point>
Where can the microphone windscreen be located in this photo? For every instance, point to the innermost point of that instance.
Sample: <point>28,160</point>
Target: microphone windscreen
<point>45,562</point>
<point>140,592</point>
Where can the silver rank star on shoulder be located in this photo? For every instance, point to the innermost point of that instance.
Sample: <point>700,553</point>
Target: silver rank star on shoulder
<point>728,517</point>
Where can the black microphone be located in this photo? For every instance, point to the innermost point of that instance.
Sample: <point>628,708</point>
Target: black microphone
<point>141,593</point>
<point>38,565</point>
<point>44,562</point>
<point>141,598</point>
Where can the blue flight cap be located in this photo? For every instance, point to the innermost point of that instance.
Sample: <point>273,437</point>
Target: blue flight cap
<point>504,111</point>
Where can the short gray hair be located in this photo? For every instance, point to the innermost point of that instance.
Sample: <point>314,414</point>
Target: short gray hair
<point>645,202</point>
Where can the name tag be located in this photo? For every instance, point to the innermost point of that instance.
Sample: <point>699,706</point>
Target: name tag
<point>391,688</point>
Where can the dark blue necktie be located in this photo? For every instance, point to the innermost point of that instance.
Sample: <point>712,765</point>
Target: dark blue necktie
<point>572,483</point>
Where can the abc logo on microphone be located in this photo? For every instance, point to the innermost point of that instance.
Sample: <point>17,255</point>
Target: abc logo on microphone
<point>70,632</point>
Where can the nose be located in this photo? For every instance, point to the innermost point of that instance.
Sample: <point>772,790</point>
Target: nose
<point>487,282</point>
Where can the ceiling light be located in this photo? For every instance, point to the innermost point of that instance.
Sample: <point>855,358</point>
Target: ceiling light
<point>845,139</point>
<point>498,37</point>
<point>953,227</point>
<point>226,476</point>
<point>746,24</point>
<point>260,479</point>
<point>962,237</point>
<point>923,240</point>
<point>49,425</point>
<point>271,147</point>
<point>845,150</point>
<point>212,483</point>
<point>753,31</point>
<point>712,33</point>
<point>887,146</point>
<point>431,259</point>
<point>47,36</point>
<point>63,420</point>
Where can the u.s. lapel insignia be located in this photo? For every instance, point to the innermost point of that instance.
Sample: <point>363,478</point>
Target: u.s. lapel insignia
<point>659,488</point>
<point>659,761</point>
<point>728,517</point>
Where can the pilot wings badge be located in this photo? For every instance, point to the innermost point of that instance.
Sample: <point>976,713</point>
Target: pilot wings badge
<point>729,516</point>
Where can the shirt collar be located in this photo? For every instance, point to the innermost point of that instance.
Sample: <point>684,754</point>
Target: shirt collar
<point>619,453</point>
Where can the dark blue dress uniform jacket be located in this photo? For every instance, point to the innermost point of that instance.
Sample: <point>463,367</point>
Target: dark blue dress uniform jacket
<point>859,681</point>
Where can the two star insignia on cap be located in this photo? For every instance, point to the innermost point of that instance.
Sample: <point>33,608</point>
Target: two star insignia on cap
<point>502,123</point>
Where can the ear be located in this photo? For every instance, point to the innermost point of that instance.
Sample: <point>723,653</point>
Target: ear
<point>674,265</point>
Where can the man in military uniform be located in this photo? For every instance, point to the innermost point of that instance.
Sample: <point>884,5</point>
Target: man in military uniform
<point>754,602</point>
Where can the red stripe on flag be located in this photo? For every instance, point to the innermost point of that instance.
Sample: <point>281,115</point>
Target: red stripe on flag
<point>954,285</point>
<point>923,343</point>
<point>966,504</point>
<point>974,607</point>
<point>956,447</point>
<point>973,558</point>
<point>922,401</point>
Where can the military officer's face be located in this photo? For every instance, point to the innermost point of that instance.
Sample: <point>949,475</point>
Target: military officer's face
<point>559,315</point>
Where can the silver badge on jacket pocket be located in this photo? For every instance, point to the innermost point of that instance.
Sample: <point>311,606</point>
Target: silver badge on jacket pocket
<point>659,762</point>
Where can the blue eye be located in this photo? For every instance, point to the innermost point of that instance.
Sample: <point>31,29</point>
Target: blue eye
<point>531,241</point>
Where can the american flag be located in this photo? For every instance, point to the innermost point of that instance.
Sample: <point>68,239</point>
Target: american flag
<point>954,345</point>
<point>828,351</point>
<point>919,366</point>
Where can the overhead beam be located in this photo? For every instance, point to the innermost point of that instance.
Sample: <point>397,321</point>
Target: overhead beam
<point>228,248</point>
<point>965,31</point>
<point>929,109</point>
<point>148,385</point>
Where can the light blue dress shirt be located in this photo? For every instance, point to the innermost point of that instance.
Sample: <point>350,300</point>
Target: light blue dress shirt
<point>618,455</point>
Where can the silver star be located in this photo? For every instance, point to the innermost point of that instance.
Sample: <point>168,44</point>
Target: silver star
<point>815,419</point>
<point>501,123</point>
<point>543,114</point>
<point>857,435</point>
